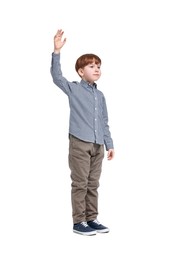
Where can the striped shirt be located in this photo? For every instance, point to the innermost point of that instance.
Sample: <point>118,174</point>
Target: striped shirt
<point>88,119</point>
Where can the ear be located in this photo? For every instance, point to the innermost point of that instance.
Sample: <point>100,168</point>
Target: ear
<point>80,72</point>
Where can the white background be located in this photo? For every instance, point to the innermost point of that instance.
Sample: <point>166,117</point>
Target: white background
<point>133,39</point>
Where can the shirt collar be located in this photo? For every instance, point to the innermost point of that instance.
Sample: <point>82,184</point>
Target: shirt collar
<point>88,85</point>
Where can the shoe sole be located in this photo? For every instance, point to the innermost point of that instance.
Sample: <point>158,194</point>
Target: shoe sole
<point>102,231</point>
<point>85,233</point>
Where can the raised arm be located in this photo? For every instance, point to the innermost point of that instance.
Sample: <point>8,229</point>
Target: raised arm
<point>58,41</point>
<point>56,71</point>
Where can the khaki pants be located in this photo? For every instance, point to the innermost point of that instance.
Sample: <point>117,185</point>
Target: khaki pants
<point>85,162</point>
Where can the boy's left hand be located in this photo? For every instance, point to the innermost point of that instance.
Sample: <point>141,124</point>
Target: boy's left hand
<point>110,154</point>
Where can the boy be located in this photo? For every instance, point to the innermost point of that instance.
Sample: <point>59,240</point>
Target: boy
<point>88,134</point>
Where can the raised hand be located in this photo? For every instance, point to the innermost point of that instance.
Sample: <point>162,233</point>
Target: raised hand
<point>58,41</point>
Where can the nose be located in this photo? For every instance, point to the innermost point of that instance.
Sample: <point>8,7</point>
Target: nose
<point>97,68</point>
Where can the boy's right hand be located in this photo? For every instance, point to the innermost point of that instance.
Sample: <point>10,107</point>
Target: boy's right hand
<point>58,42</point>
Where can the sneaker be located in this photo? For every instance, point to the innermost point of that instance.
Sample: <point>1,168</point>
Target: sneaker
<point>95,224</point>
<point>83,229</point>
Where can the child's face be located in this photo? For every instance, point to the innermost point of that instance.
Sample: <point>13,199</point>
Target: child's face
<point>90,72</point>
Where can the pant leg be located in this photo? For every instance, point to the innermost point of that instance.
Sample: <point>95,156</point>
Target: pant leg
<point>79,163</point>
<point>93,182</point>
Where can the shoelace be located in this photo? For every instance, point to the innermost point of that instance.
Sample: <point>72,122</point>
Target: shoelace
<point>97,222</point>
<point>84,224</point>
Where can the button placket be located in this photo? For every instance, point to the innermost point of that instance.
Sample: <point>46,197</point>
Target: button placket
<point>95,114</point>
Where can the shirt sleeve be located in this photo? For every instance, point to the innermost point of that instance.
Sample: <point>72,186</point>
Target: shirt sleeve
<point>57,76</point>
<point>108,141</point>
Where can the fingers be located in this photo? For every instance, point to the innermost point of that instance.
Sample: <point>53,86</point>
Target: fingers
<point>59,33</point>
<point>109,157</point>
<point>58,37</point>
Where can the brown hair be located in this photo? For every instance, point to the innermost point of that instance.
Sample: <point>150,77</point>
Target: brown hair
<point>86,59</point>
